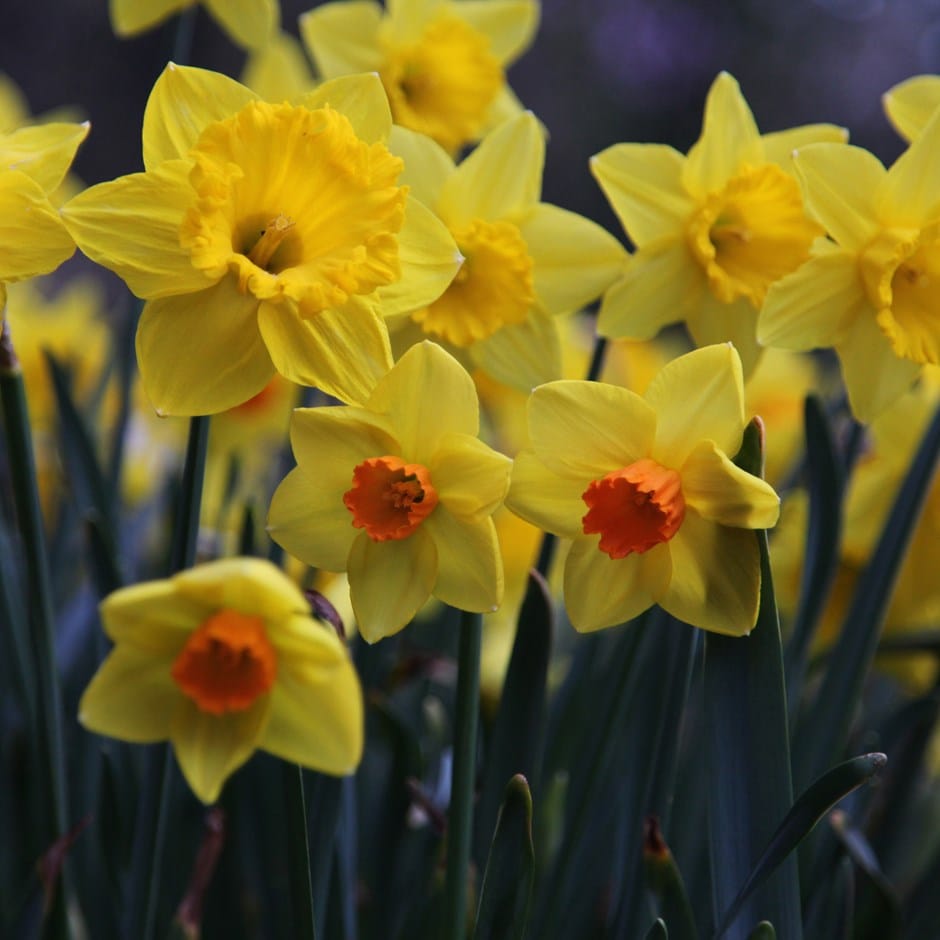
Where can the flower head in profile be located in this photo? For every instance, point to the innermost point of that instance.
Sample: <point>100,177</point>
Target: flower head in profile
<point>398,493</point>
<point>223,660</point>
<point>713,229</point>
<point>263,237</point>
<point>645,488</point>
<point>442,62</point>
<point>525,261</point>
<point>872,291</point>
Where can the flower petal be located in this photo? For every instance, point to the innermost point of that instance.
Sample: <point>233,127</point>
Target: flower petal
<point>44,152</point>
<point>510,25</point>
<point>361,98</point>
<point>131,16</point>
<point>427,163</point>
<point>910,104</point>
<point>343,37</point>
<point>544,498</point>
<point>779,145</point>
<point>201,353</point>
<point>471,479</point>
<point>522,355</point>
<point>910,193</point>
<point>390,581</point>
<point>469,564</point>
<point>153,617</point>
<point>720,491</point>
<point>251,23</point>
<point>716,322</point>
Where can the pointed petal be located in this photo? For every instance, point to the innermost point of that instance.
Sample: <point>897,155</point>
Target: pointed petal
<point>251,23</point>
<point>586,429</point>
<point>390,581</point>
<point>343,352</point>
<point>279,71</point>
<point>183,102</point>
<point>779,145</point>
<point>343,37</point>
<point>601,591</point>
<point>715,580</point>
<point>544,498</point>
<point>699,396</point>
<point>736,323</point>
<point>643,184</point>
<point>522,355</point>
<point>471,479</point>
<point>720,491</point>
<point>152,617</point>
<point>131,226</point>
<point>910,193</point>
<point>201,353</point>
<point>132,697</point>
<point>343,435</point>
<point>911,103</point>
<point>427,163</point>
<point>510,25</point>
<point>209,748</point>
<point>575,260</point>
<point>32,234</point>
<point>131,16</point>
<point>469,564</point>
<point>361,98</point>
<point>44,152</point>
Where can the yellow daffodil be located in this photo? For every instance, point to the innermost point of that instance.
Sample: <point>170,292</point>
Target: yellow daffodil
<point>249,23</point>
<point>222,660</point>
<point>279,71</point>
<point>399,494</point>
<point>525,260</point>
<point>645,488</point>
<point>263,237</point>
<point>872,291</point>
<point>713,229</point>
<point>442,62</point>
<point>910,104</point>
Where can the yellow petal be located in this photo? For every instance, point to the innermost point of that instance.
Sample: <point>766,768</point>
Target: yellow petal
<point>469,564</point>
<point>361,98</point>
<point>729,139</point>
<point>131,226</point>
<point>183,102</point>
<point>839,185</point>
<point>279,71</point>
<point>643,184</point>
<point>720,491</point>
<point>574,259</point>
<point>426,396</point>
<point>816,304</point>
<point>522,355</point>
<point>510,25</point>
<point>343,37</point>
<point>661,284</point>
<point>427,163</point>
<point>152,617</point>
<point>43,152</point>
<point>696,397</point>
<point>502,176</point>
<point>910,104</point>
<point>544,498</point>
<point>132,16</point>
<point>209,748</point>
<point>586,429</point>
<point>716,322</point>
<point>33,237</point>
<point>341,435</point>
<point>132,697</point>
<point>201,353</point>
<point>251,23</point>
<point>471,479</point>
<point>390,581</point>
<point>429,259</point>
<point>910,193</point>
<point>779,146</point>
<point>343,352</point>
<point>601,591</point>
<point>715,580</point>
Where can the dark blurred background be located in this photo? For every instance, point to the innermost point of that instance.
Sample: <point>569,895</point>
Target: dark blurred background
<point>600,71</point>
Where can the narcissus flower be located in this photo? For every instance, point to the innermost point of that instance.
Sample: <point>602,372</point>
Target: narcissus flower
<point>442,61</point>
<point>524,260</point>
<point>250,23</point>
<point>399,493</point>
<point>911,103</point>
<point>222,660</point>
<point>645,488</point>
<point>263,237</point>
<point>713,229</point>
<point>872,292</point>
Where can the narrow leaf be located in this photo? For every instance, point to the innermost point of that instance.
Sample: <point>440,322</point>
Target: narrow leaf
<point>658,931</point>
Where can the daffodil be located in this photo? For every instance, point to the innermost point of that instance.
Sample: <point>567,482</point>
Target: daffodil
<point>250,23</point>
<point>399,493</point>
<point>646,489</point>
<point>911,103</point>
<point>279,71</point>
<point>263,237</point>
<point>872,291</point>
<point>713,229</point>
<point>442,62</point>
<point>222,660</point>
<point>524,261</point>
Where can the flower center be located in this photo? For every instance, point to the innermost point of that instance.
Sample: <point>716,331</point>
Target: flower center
<point>443,83</point>
<point>901,273</point>
<point>295,205</point>
<point>751,232</point>
<point>493,287</point>
<point>227,663</point>
<point>634,508</point>
<point>390,498</point>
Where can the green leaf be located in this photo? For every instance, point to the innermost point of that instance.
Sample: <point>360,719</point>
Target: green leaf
<point>665,881</point>
<point>763,931</point>
<point>506,894</point>
<point>658,931</point>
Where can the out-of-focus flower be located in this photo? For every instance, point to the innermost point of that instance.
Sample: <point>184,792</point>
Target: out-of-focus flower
<point>399,493</point>
<point>279,71</point>
<point>249,23</point>
<point>672,512</point>
<point>442,63</point>
<point>911,103</point>
<point>713,229</point>
<point>524,260</point>
<point>873,291</point>
<point>222,660</point>
<point>263,237</point>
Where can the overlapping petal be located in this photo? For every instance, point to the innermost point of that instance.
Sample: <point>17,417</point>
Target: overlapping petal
<point>546,499</point>
<point>522,355</point>
<point>509,25</point>
<point>911,103</point>
<point>342,37</point>
<point>361,98</point>
<point>779,145</point>
<point>714,322</point>
<point>471,479</point>
<point>152,618</point>
<point>910,192</point>
<point>43,152</point>
<point>469,566</point>
<point>251,23</point>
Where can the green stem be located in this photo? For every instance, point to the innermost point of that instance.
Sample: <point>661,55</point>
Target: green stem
<point>298,854</point>
<point>460,816</point>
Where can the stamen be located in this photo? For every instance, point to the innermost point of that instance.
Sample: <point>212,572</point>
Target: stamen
<point>270,240</point>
